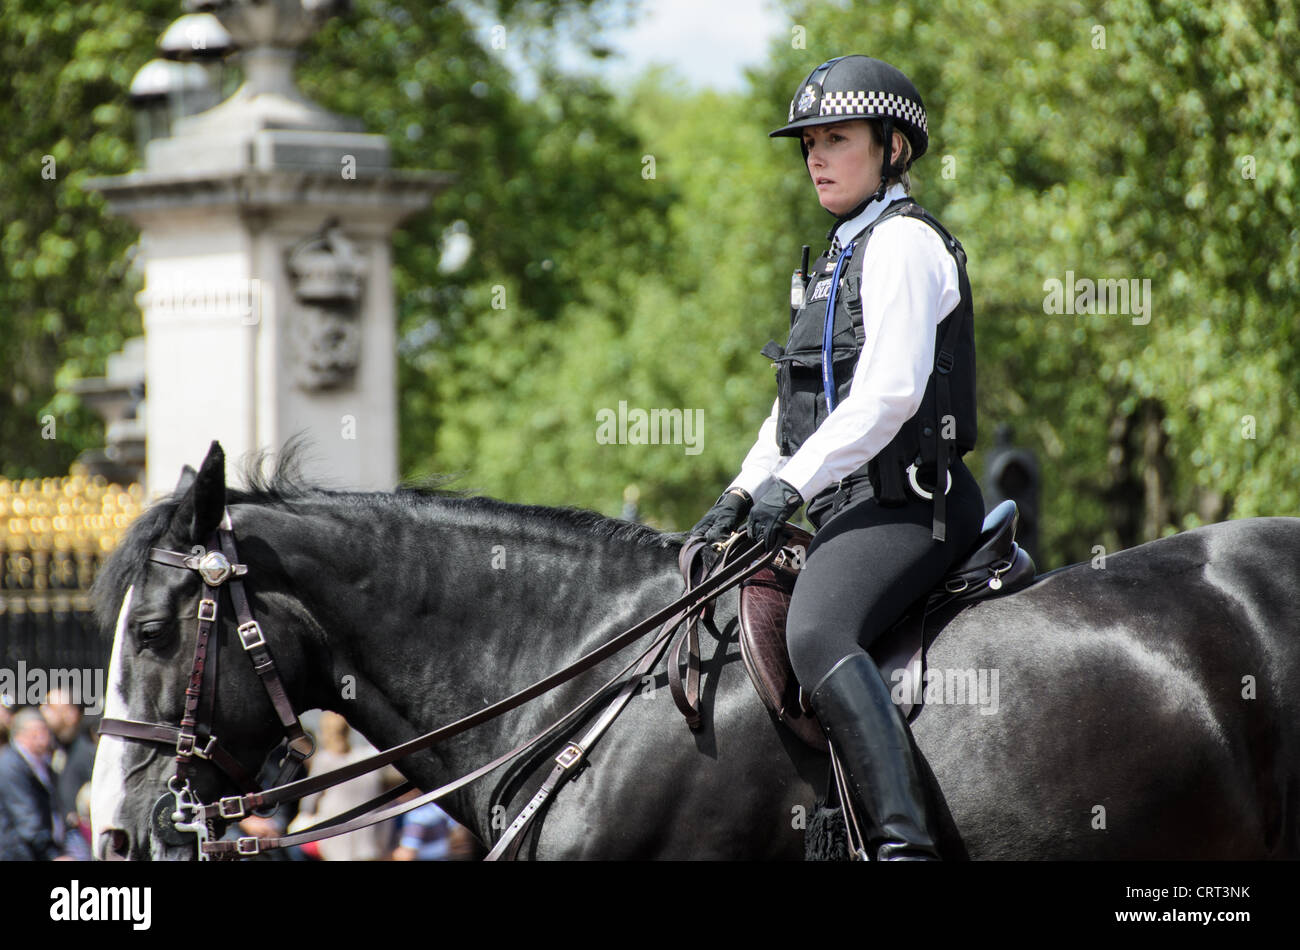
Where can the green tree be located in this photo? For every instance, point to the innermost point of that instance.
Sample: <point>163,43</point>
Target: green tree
<point>66,297</point>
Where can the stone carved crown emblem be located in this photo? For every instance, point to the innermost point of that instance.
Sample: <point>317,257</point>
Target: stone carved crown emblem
<point>327,275</point>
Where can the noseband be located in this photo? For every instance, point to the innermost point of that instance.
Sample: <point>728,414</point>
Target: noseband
<point>181,812</point>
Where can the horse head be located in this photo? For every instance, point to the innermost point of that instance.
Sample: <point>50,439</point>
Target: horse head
<point>182,723</point>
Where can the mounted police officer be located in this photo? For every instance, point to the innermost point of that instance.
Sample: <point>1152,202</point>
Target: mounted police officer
<point>875,408</point>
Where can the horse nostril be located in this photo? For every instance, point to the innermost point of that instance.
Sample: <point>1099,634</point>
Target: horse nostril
<point>119,845</point>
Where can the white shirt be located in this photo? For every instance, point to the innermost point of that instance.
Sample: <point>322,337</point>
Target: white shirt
<point>909,284</point>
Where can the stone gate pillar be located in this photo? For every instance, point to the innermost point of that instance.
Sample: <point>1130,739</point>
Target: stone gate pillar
<point>266,227</point>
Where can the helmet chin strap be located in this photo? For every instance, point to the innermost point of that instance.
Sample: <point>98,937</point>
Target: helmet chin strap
<point>886,172</point>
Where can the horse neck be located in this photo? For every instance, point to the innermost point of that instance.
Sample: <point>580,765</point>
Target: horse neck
<point>439,611</point>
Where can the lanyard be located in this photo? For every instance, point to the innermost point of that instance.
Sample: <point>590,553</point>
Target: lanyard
<point>828,330</point>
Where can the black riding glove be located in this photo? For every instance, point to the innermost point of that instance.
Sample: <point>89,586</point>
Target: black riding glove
<point>774,502</point>
<point>720,520</point>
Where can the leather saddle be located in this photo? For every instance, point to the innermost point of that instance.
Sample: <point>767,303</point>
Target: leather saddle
<point>995,565</point>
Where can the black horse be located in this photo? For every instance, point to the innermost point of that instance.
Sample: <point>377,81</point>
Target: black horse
<point>1144,707</point>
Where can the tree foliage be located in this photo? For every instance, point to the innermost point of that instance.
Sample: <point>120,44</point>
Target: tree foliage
<point>66,286</point>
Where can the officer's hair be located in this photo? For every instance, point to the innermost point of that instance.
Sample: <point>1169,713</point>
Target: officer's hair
<point>878,136</point>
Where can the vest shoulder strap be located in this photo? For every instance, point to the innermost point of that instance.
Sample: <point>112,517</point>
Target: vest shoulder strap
<point>900,206</point>
<point>909,207</point>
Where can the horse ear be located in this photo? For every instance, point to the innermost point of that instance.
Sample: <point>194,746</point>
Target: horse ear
<point>209,493</point>
<point>186,479</point>
<point>203,499</point>
<point>201,509</point>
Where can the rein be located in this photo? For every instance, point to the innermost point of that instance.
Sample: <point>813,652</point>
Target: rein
<point>194,737</point>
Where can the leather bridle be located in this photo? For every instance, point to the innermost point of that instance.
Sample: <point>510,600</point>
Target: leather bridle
<point>195,738</point>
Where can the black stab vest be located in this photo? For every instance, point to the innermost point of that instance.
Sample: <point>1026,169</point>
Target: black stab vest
<point>950,391</point>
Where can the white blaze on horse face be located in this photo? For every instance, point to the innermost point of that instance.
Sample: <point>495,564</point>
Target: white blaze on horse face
<point>108,781</point>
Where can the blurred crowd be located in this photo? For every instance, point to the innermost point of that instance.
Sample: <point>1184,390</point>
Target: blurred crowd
<point>47,755</point>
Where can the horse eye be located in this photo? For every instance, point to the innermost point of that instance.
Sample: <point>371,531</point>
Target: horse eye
<point>151,631</point>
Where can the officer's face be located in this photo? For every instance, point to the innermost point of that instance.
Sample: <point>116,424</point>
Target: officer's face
<point>843,162</point>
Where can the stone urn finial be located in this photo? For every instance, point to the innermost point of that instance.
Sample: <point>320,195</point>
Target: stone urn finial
<point>268,33</point>
<point>283,23</point>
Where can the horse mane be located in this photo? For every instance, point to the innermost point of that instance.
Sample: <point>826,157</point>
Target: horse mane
<point>283,485</point>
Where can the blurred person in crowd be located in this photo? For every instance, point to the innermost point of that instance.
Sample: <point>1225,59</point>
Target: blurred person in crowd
<point>6,717</point>
<point>337,749</point>
<point>32,827</point>
<point>83,826</point>
<point>429,834</point>
<point>73,756</point>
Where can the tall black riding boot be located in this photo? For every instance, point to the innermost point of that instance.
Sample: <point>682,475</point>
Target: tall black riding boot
<point>870,739</point>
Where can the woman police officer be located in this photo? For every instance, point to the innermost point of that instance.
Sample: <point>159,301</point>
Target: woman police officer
<point>875,407</point>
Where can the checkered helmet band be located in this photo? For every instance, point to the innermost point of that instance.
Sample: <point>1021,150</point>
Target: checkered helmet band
<point>870,103</point>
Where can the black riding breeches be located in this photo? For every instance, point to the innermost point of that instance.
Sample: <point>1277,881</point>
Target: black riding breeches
<point>867,564</point>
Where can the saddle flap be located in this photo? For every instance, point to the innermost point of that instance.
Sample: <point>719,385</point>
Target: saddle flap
<point>764,603</point>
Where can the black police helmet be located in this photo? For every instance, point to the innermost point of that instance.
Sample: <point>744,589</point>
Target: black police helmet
<point>858,87</point>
